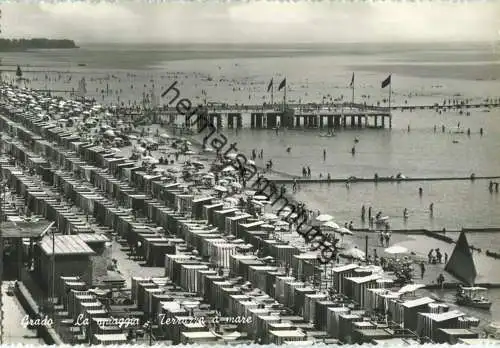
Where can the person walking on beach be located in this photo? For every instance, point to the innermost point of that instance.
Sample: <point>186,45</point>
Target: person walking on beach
<point>387,237</point>
<point>431,209</point>
<point>422,270</point>
<point>445,258</point>
<point>294,187</point>
<point>430,256</point>
<point>439,256</point>
<point>324,154</point>
<point>363,211</point>
<point>381,238</point>
<point>308,171</point>
<point>440,280</point>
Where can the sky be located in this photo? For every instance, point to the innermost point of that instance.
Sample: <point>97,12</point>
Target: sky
<point>255,21</point>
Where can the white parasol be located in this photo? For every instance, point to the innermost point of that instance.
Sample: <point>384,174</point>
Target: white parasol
<point>343,230</point>
<point>270,216</point>
<point>355,253</point>
<point>228,169</point>
<point>331,224</point>
<point>324,217</point>
<point>410,288</point>
<point>220,188</point>
<point>260,198</point>
<point>396,249</point>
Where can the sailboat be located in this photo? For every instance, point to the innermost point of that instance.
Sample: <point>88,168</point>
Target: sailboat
<point>461,265</point>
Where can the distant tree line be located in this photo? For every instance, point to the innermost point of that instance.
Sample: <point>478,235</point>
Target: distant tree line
<point>26,44</point>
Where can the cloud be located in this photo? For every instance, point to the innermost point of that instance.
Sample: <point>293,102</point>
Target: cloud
<point>255,21</point>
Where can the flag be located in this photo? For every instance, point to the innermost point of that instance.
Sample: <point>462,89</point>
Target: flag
<point>282,84</point>
<point>386,82</point>
<point>352,81</point>
<point>270,86</point>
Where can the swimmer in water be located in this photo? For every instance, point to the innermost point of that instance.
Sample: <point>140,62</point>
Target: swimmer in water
<point>288,149</point>
<point>356,140</point>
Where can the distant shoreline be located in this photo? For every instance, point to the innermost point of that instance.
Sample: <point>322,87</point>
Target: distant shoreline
<point>23,45</point>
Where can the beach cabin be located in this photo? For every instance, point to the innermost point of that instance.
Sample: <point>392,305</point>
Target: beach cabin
<point>357,288</point>
<point>339,274</point>
<point>452,336</point>
<point>73,257</point>
<point>411,309</point>
<point>430,323</point>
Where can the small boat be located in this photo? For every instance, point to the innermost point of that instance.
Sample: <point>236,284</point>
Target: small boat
<point>474,296</point>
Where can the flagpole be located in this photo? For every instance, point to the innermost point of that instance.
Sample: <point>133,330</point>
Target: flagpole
<point>390,94</point>
<point>284,99</point>
<point>272,94</point>
<point>353,94</point>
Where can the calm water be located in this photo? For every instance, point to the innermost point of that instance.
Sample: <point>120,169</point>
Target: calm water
<point>422,74</point>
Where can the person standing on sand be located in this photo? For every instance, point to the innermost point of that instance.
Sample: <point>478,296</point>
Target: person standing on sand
<point>422,270</point>
<point>324,154</point>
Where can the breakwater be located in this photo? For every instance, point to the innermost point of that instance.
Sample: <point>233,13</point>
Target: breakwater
<point>353,180</point>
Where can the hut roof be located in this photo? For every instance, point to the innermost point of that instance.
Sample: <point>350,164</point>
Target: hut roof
<point>66,245</point>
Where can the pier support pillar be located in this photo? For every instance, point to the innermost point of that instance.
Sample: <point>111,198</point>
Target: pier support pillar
<point>383,121</point>
<point>321,122</point>
<point>376,121</point>
<point>253,120</point>
<point>360,121</point>
<point>353,121</point>
<point>390,121</point>
<point>337,122</point>
<point>239,121</point>
<point>344,121</point>
<point>230,121</point>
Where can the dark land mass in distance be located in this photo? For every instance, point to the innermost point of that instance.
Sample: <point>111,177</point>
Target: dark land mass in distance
<point>19,45</point>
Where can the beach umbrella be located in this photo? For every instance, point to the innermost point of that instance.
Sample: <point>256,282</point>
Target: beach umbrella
<point>396,249</point>
<point>260,198</point>
<point>355,253</point>
<point>343,230</point>
<point>267,227</point>
<point>109,133</point>
<point>331,224</point>
<point>190,152</point>
<point>231,200</point>
<point>165,136</point>
<point>410,288</point>
<point>251,162</point>
<point>220,188</point>
<point>324,217</point>
<point>150,159</point>
<point>228,169</point>
<point>237,185</point>
<point>232,155</point>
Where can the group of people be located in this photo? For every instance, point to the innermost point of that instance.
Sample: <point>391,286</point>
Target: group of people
<point>435,256</point>
<point>493,185</point>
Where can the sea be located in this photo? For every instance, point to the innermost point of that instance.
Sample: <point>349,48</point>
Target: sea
<point>422,74</point>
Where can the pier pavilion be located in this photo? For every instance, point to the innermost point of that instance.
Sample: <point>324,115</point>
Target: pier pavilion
<point>334,117</point>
